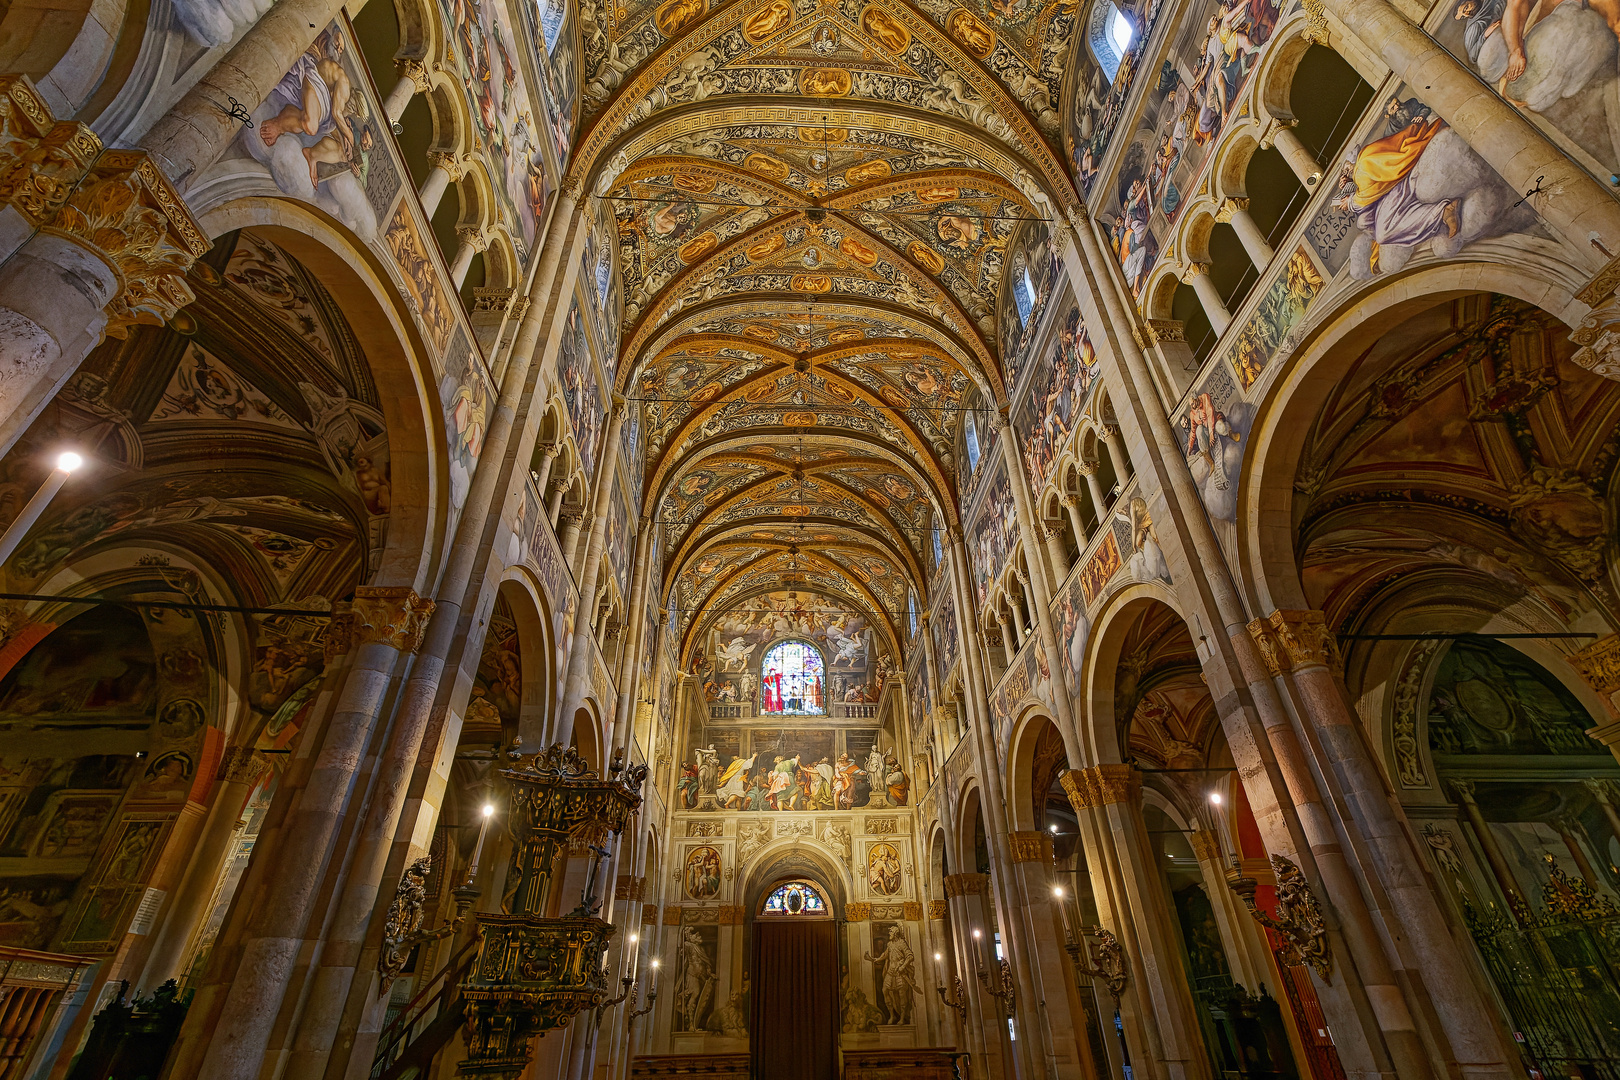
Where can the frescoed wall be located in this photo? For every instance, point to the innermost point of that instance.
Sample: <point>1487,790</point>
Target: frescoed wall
<point>994,529</point>
<point>849,649</point>
<point>943,625</point>
<point>1184,114</point>
<point>1057,393</point>
<point>577,374</point>
<point>1097,95</point>
<point>486,54</point>
<point>1031,275</point>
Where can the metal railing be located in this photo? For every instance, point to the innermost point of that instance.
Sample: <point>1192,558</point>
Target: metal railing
<point>439,997</point>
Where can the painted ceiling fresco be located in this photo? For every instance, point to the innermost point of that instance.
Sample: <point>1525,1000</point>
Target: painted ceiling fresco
<point>1465,444</point>
<point>812,275</point>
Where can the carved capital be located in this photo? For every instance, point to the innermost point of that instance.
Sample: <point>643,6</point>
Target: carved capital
<point>1086,468</point>
<point>241,765</point>
<point>937,909</point>
<point>393,615</point>
<point>1101,785</point>
<point>1464,790</point>
<point>1032,846</point>
<point>1194,270</point>
<point>1079,217</point>
<point>1599,665</point>
<point>114,203</point>
<point>572,185</point>
<point>1268,135</point>
<point>1153,331</point>
<point>1231,207</point>
<point>966,885</point>
<point>473,237</point>
<point>1316,27</point>
<point>455,166</point>
<point>1292,640</point>
<point>414,70</point>
<point>1206,845</point>
<point>493,300</point>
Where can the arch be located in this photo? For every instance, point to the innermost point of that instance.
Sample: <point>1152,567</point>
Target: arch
<point>1268,570</point>
<point>398,357</point>
<point>795,898</point>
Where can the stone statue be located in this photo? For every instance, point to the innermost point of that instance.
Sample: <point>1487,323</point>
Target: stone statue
<point>696,987</point>
<point>876,772</point>
<point>708,766</point>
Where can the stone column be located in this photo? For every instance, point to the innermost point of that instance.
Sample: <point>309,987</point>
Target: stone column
<point>240,770</point>
<point>192,135</point>
<point>994,808</point>
<point>577,683</point>
<point>554,503</point>
<point>1246,946</point>
<point>1032,863</point>
<point>984,1024</point>
<point>1275,775</point>
<point>92,242</point>
<point>1214,306</point>
<point>413,79</point>
<point>571,517</point>
<point>447,169</point>
<point>388,622</point>
<point>1113,794</point>
<point>1234,211</point>
<point>341,999</point>
<point>1583,209</point>
<point>472,241</point>
<point>1052,538</point>
<point>548,458</point>
<point>1088,469</point>
<point>1569,828</point>
<point>1017,627</point>
<point>1071,503</point>
<point>1280,133</point>
<point>1500,868</point>
<point>628,678</point>
<point>1164,342</point>
<point>1116,453</point>
<point>1298,643</point>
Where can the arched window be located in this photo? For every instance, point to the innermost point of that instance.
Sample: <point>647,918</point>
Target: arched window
<point>791,679</point>
<point>795,898</point>
<point>1023,293</point>
<point>551,20</point>
<point>939,551</point>
<point>604,273</point>
<point>972,430</point>
<point>911,610</point>
<point>1111,33</point>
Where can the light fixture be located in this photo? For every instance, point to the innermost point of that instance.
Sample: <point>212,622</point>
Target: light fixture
<point>634,939</point>
<point>938,958</point>
<point>1215,798</point>
<point>655,963</point>
<point>1057,891</point>
<point>68,461</point>
<point>1053,827</point>
<point>976,934</point>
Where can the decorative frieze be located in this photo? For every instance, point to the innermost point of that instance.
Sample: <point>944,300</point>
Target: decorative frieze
<point>857,911</point>
<point>241,765</point>
<point>882,826</point>
<point>938,909</point>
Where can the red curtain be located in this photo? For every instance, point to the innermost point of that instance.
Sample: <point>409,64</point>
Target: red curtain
<point>794,1026</point>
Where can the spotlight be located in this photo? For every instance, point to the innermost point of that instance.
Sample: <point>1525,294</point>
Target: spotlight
<point>1215,797</point>
<point>68,461</point>
<point>489,810</point>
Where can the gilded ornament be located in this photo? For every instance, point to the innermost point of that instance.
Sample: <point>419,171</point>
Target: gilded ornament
<point>767,21</point>
<point>1599,664</point>
<point>972,34</point>
<point>926,257</point>
<point>858,251</point>
<point>697,249</point>
<point>767,166</point>
<point>392,615</point>
<point>824,82</point>
<point>885,29</point>
<point>672,15</point>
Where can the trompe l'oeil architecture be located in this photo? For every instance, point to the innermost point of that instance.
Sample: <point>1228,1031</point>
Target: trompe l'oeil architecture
<point>810,540</point>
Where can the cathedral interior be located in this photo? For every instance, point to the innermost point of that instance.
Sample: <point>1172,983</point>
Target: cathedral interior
<point>809,539</point>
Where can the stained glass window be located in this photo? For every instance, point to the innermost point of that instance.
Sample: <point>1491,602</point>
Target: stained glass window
<point>795,898</point>
<point>790,681</point>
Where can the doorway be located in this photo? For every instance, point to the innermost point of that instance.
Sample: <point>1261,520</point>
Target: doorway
<point>794,1021</point>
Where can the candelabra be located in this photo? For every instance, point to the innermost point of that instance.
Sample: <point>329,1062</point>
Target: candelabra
<point>958,1002</point>
<point>1105,960</point>
<point>1000,984</point>
<point>402,930</point>
<point>1298,924</point>
<point>629,993</point>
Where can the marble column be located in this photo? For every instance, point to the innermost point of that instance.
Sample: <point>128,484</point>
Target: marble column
<point>447,169</point>
<point>1051,534</point>
<point>1603,794</point>
<point>1234,211</point>
<point>1032,864</point>
<point>471,242</point>
<point>1088,469</point>
<point>993,807</point>
<point>1280,133</point>
<point>1501,870</point>
<point>572,518</point>
<point>413,79</point>
<point>1214,307</point>
<point>1299,649</point>
<point>240,770</point>
<point>95,243</point>
<point>1116,453</point>
<point>388,623</point>
<point>341,1016</point>
<point>1071,503</point>
<point>542,477</point>
<point>577,682</point>
<point>982,1019</point>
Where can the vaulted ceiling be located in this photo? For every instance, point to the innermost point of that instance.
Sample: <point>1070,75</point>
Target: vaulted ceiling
<point>813,200</point>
